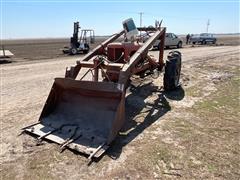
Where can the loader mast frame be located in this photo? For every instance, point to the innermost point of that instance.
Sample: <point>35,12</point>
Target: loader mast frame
<point>129,67</point>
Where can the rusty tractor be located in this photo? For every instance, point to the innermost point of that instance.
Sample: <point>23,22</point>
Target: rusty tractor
<point>87,114</point>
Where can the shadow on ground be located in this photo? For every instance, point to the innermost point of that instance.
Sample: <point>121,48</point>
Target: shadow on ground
<point>151,112</point>
<point>5,61</point>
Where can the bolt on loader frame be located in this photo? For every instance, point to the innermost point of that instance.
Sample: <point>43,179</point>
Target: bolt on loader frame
<point>86,115</point>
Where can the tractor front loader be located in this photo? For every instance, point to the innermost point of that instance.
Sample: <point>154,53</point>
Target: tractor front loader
<point>87,114</point>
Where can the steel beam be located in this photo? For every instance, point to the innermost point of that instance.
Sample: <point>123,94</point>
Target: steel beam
<point>125,73</point>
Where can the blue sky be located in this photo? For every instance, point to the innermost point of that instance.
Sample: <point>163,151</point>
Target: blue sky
<point>54,18</point>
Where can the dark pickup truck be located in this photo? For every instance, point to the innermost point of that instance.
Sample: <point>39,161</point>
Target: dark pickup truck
<point>203,38</point>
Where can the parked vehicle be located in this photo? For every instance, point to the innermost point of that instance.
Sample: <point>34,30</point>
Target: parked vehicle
<point>203,38</point>
<point>82,44</point>
<point>170,40</point>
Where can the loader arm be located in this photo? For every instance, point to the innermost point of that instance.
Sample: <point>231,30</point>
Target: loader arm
<point>126,71</point>
<point>73,71</point>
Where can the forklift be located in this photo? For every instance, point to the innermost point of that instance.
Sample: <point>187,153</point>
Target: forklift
<point>80,45</point>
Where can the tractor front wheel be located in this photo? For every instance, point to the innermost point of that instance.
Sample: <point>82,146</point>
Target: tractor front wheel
<point>73,51</point>
<point>171,79</point>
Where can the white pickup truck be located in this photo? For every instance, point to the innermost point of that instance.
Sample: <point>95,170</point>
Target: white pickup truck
<point>170,40</point>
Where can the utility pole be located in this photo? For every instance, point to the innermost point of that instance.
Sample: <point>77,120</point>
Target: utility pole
<point>208,24</point>
<point>140,13</point>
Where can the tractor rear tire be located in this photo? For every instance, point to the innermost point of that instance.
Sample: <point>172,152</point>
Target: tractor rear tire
<point>171,78</point>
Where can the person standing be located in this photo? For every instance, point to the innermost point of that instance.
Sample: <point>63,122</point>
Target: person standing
<point>187,38</point>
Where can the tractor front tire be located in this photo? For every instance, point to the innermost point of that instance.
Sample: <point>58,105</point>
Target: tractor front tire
<point>171,78</point>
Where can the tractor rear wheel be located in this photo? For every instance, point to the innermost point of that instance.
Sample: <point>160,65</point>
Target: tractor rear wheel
<point>171,79</point>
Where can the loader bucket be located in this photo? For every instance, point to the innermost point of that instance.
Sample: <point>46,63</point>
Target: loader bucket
<point>82,115</point>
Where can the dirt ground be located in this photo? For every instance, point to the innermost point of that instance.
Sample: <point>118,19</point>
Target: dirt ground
<point>190,133</point>
<point>40,49</point>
